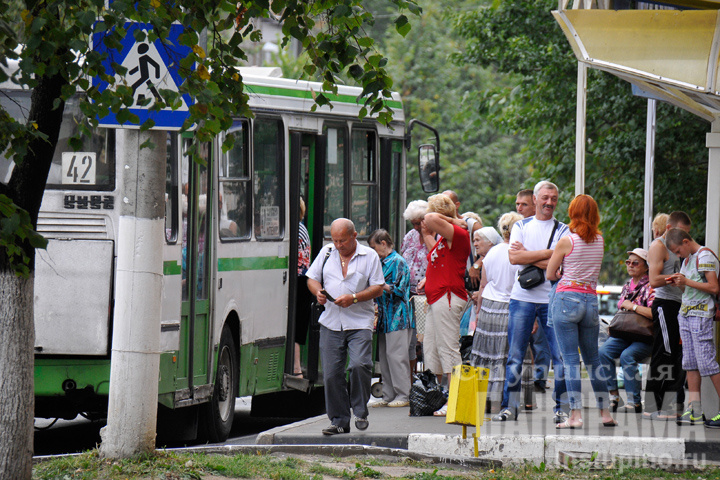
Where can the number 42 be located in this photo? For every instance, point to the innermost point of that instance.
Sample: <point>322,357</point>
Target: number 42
<point>75,165</point>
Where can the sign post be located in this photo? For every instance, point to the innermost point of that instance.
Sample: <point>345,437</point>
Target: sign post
<point>151,67</point>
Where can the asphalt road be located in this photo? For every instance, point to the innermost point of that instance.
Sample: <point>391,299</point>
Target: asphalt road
<point>80,434</point>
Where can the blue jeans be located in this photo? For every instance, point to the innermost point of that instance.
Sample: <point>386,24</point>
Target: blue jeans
<point>630,354</point>
<point>541,355</point>
<point>575,319</point>
<point>520,324</point>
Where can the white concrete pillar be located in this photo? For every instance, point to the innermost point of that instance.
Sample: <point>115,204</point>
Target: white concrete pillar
<point>649,172</point>
<point>712,232</point>
<point>135,360</point>
<point>712,215</point>
<point>580,131</point>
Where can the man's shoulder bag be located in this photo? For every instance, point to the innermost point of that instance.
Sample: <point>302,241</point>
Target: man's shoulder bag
<point>316,308</point>
<point>532,276</point>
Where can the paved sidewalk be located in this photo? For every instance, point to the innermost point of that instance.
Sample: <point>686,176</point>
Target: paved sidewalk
<point>532,438</point>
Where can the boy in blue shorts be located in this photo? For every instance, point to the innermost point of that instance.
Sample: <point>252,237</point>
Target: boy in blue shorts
<point>698,278</point>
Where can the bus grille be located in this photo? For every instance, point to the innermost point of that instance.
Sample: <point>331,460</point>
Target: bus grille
<point>273,366</point>
<point>61,225</point>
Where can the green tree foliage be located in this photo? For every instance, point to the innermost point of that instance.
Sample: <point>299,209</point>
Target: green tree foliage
<point>479,161</point>
<point>55,59</point>
<point>522,39</point>
<point>45,49</point>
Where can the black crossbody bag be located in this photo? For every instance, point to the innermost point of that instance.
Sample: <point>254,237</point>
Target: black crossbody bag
<point>532,276</point>
<point>316,308</point>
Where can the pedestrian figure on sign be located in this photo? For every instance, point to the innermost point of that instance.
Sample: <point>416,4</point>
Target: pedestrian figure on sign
<point>143,61</point>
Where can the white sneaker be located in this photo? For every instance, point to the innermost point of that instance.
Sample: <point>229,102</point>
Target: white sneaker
<point>379,403</point>
<point>398,403</point>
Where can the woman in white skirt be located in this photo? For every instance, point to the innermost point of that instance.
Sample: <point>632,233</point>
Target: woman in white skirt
<point>490,342</point>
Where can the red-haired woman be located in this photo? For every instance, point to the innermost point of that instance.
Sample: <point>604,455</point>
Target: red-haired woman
<point>574,306</point>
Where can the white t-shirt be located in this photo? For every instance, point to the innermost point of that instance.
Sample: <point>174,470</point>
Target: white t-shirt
<point>500,273</point>
<point>534,235</point>
<point>697,303</point>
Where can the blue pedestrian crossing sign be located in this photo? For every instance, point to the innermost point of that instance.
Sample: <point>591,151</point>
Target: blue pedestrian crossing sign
<point>151,68</point>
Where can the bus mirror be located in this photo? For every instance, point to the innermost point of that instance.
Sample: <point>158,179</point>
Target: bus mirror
<point>429,168</point>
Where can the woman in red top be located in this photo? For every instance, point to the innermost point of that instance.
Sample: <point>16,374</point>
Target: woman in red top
<point>445,287</point>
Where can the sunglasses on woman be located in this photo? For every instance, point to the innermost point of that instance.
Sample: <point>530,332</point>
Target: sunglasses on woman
<point>634,263</point>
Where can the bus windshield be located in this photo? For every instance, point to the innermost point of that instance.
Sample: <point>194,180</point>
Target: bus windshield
<point>92,167</point>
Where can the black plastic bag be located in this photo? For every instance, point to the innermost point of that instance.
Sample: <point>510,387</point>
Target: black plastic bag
<point>426,395</point>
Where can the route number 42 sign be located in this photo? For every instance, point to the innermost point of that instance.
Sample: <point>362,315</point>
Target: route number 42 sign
<point>78,168</point>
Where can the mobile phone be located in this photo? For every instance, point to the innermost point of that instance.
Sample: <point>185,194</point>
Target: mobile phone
<point>327,295</point>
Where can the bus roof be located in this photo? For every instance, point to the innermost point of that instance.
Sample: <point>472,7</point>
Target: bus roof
<point>299,95</point>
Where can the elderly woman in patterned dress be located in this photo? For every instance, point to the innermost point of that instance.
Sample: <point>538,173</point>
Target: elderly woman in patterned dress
<point>414,249</point>
<point>417,242</point>
<point>394,326</point>
<point>637,295</point>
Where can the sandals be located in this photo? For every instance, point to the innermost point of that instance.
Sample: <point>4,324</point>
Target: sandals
<point>615,403</point>
<point>441,412</point>
<point>632,408</point>
<point>567,425</point>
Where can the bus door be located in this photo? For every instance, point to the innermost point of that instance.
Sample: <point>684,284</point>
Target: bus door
<point>194,360</point>
<point>307,160</point>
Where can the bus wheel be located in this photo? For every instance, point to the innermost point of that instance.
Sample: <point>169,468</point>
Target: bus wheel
<point>216,417</point>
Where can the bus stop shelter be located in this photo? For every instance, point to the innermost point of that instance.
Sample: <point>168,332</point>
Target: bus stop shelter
<point>670,52</point>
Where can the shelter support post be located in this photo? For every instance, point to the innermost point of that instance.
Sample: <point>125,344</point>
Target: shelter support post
<point>580,132</point>
<point>712,216</point>
<point>649,172</point>
<point>712,234</point>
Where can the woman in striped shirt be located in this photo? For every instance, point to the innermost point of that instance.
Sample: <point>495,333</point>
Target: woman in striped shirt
<point>574,306</point>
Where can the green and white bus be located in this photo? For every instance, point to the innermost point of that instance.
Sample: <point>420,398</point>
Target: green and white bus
<point>230,253</point>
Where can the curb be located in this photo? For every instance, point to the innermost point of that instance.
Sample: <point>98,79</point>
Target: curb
<point>539,449</point>
<point>342,450</point>
<point>312,449</point>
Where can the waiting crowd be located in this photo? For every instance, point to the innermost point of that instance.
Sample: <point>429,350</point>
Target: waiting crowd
<point>493,298</point>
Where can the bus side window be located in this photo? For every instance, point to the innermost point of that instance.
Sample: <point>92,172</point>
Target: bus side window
<point>234,197</point>
<point>171,189</point>
<point>363,182</point>
<point>334,177</point>
<point>269,179</point>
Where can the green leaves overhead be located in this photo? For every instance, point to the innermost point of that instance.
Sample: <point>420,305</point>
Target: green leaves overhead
<point>523,40</point>
<point>16,232</point>
<point>57,39</point>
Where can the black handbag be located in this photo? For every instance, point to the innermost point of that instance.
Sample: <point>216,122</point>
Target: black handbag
<point>532,276</point>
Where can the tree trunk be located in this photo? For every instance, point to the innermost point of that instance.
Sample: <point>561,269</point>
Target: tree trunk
<point>17,340</point>
<point>16,375</point>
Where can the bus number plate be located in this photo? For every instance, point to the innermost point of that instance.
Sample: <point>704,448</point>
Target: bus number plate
<point>78,168</point>
<point>92,202</point>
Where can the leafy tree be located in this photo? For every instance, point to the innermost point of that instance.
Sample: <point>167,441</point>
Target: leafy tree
<point>50,41</point>
<point>478,160</point>
<point>522,39</point>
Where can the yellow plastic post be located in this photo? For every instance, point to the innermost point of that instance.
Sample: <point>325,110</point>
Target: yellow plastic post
<point>467,398</point>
